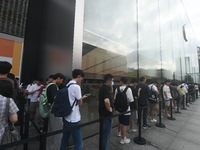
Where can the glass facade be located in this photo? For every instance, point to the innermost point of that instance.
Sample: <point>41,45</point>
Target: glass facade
<point>135,38</point>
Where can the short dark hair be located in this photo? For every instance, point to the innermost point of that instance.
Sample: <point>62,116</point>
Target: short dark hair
<point>142,79</point>
<point>77,72</point>
<point>6,88</point>
<point>155,82</point>
<point>133,81</point>
<point>51,76</point>
<point>5,67</point>
<point>167,80</point>
<point>108,77</point>
<point>124,80</point>
<point>58,75</point>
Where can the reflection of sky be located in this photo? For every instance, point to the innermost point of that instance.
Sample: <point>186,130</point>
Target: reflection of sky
<point>111,25</point>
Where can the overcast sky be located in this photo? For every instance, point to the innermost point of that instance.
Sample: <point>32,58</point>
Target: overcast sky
<point>193,10</point>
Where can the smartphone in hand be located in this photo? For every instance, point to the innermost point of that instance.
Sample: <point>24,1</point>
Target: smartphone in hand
<point>88,94</point>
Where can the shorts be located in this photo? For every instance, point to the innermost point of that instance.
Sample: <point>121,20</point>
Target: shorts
<point>124,119</point>
<point>167,103</point>
<point>153,106</point>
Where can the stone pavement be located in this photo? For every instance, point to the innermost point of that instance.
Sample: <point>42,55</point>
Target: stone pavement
<point>181,134</point>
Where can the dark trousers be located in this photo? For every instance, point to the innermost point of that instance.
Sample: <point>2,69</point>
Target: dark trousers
<point>144,111</point>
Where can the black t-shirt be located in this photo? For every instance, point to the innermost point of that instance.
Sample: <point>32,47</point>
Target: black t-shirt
<point>104,92</point>
<point>144,93</point>
<point>51,93</point>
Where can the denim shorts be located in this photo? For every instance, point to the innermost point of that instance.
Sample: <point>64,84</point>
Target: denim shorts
<point>124,119</point>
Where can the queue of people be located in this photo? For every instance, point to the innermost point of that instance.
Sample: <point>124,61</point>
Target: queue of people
<point>135,94</point>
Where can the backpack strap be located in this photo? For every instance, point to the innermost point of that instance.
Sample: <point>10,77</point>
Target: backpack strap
<point>125,89</point>
<point>75,99</point>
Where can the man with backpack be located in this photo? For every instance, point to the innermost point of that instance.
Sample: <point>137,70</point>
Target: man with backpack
<point>54,123</point>
<point>74,118</point>
<point>123,96</point>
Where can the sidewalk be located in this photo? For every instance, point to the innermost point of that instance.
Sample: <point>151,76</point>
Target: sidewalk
<point>181,134</point>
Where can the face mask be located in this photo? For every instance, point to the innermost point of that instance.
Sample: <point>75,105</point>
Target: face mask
<point>112,83</point>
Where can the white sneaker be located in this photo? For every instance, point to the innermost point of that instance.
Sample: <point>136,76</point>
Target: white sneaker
<point>154,120</point>
<point>125,141</point>
<point>118,134</point>
<point>132,130</point>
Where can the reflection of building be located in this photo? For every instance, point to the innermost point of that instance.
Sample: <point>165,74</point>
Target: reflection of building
<point>198,51</point>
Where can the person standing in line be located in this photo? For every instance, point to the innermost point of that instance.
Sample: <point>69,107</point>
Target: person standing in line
<point>73,120</point>
<point>34,103</point>
<point>143,93</point>
<point>105,110</point>
<point>134,115</point>
<point>153,106</point>
<point>167,97</point>
<point>6,92</point>
<point>53,123</point>
<point>124,119</point>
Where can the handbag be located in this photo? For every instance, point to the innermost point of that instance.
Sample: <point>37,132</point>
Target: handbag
<point>10,134</point>
<point>152,97</point>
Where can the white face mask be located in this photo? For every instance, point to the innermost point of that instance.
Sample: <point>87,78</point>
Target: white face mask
<point>112,83</point>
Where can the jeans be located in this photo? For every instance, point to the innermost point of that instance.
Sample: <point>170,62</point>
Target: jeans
<point>105,131</point>
<point>76,136</point>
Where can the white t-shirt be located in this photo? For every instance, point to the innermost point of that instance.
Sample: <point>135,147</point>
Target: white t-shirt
<point>28,89</point>
<point>128,94</point>
<point>166,90</point>
<point>74,94</point>
<point>34,96</point>
<point>154,88</point>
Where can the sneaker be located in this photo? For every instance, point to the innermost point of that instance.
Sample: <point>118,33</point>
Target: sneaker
<point>118,134</point>
<point>154,120</point>
<point>168,115</point>
<point>146,126</point>
<point>132,130</point>
<point>125,141</point>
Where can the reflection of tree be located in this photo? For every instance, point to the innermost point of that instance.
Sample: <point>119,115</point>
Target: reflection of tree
<point>189,79</point>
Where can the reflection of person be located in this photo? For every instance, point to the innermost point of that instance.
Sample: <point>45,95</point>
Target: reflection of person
<point>6,92</point>
<point>73,120</point>
<point>105,110</point>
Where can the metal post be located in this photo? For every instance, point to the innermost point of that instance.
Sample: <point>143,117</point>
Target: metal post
<point>171,117</point>
<point>159,124</point>
<point>139,140</point>
<point>101,134</point>
<point>43,139</point>
<point>26,130</point>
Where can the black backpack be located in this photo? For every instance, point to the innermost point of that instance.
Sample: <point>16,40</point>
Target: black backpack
<point>121,101</point>
<point>61,106</point>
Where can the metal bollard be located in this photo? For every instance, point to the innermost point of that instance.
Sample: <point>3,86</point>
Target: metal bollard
<point>43,139</point>
<point>26,130</point>
<point>160,124</point>
<point>139,140</point>
<point>171,117</point>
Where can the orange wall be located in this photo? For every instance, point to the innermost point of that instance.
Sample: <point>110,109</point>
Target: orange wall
<point>11,51</point>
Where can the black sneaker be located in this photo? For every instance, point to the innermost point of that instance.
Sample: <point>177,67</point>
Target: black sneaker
<point>146,126</point>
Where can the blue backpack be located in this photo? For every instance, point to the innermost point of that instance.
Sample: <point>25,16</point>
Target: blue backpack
<point>62,107</point>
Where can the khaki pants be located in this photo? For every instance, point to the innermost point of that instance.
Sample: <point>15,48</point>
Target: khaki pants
<point>54,124</point>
